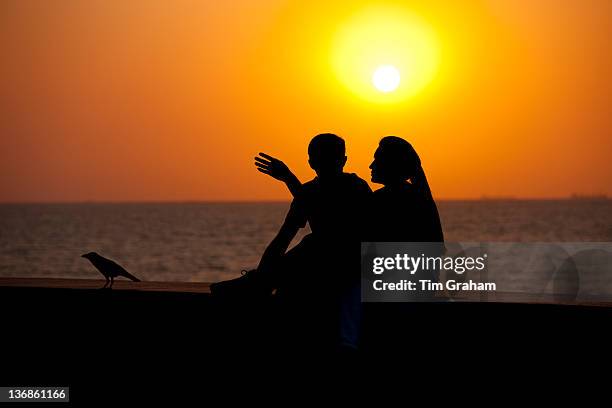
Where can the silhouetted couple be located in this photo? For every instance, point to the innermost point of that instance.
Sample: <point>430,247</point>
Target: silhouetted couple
<point>318,280</point>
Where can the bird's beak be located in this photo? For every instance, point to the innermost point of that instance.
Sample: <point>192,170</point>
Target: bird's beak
<point>84,256</point>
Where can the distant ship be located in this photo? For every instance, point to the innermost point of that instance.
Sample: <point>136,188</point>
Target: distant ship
<point>589,197</point>
<point>497,198</point>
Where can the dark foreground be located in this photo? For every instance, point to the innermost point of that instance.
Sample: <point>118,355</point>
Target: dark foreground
<point>105,344</point>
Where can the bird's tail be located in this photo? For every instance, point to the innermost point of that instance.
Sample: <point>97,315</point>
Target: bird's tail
<point>131,277</point>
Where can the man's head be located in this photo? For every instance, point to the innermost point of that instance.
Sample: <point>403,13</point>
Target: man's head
<point>395,161</point>
<point>327,154</point>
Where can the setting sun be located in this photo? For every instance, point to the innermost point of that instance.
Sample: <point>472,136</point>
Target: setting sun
<point>377,44</point>
<point>386,78</point>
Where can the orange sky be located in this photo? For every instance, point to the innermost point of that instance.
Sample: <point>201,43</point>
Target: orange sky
<point>116,100</point>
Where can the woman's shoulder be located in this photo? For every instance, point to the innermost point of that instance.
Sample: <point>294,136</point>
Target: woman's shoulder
<point>405,191</point>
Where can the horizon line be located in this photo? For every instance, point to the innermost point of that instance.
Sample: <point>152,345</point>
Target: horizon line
<point>601,197</point>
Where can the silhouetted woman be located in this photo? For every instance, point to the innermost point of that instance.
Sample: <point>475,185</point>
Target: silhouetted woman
<point>404,209</point>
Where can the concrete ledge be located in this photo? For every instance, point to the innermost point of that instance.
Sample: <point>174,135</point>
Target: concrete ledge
<point>166,335</point>
<point>120,284</point>
<point>204,288</point>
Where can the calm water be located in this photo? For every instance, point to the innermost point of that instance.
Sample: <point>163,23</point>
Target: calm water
<point>213,241</point>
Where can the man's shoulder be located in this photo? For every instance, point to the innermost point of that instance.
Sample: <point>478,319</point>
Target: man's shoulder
<point>311,183</point>
<point>310,186</point>
<point>347,182</point>
<point>307,189</point>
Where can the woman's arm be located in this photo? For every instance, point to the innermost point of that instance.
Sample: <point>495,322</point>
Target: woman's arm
<point>277,169</point>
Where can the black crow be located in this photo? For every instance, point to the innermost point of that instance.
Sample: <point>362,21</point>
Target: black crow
<point>108,268</point>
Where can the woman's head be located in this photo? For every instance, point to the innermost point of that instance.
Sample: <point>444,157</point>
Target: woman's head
<point>395,161</point>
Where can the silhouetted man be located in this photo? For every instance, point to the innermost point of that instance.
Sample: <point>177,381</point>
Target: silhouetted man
<point>333,204</point>
<point>326,262</point>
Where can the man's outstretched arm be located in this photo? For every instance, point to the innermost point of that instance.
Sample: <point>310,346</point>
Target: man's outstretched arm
<point>277,169</point>
<point>277,248</point>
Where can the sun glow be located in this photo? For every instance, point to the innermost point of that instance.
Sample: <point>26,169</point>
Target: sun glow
<point>385,54</point>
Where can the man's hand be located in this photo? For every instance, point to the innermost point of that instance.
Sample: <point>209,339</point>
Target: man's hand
<point>273,167</point>
<point>277,169</point>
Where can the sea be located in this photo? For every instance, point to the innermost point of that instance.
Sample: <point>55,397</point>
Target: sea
<point>207,242</point>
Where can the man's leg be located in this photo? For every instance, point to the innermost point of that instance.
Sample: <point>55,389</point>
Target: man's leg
<point>350,316</point>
